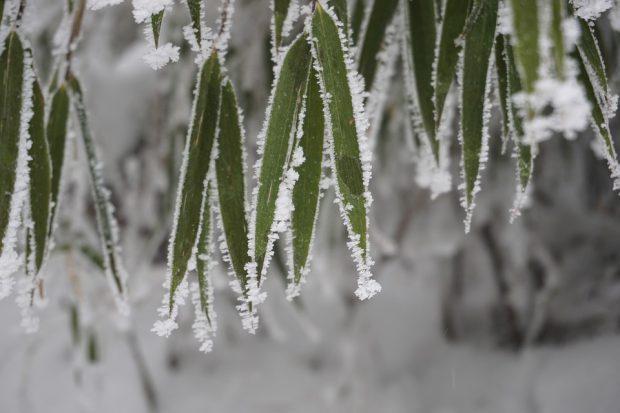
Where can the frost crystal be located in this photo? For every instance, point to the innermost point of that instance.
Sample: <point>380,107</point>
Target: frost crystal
<point>99,4</point>
<point>205,325</point>
<point>161,56</point>
<point>144,9</point>
<point>591,9</point>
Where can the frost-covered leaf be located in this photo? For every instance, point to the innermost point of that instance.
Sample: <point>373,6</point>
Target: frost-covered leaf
<point>196,161</point>
<point>195,13</point>
<point>357,18</point>
<point>204,257</point>
<point>381,15</point>
<point>229,169</point>
<point>595,67</point>
<point>11,89</point>
<point>306,193</point>
<point>57,137</point>
<point>600,123</point>
<point>156,21</point>
<point>420,39</point>
<point>280,11</point>
<point>509,85</point>
<point>346,124</point>
<point>526,33</point>
<point>557,35</point>
<point>475,81</point>
<point>286,107</point>
<point>342,12</point>
<point>40,178</point>
<point>106,223</point>
<point>447,52</point>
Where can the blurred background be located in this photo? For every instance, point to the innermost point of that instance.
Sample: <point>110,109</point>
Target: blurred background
<point>511,318</point>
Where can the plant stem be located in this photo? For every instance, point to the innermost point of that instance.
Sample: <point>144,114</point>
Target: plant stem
<point>76,29</point>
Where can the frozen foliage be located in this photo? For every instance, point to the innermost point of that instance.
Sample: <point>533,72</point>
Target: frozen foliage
<point>161,56</point>
<point>10,259</point>
<point>591,9</point>
<point>156,56</point>
<point>224,23</point>
<point>205,324</point>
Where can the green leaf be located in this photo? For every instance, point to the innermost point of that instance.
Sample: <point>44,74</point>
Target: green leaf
<point>475,106</point>
<point>509,85</point>
<point>57,139</point>
<point>1,10</point>
<point>11,90</point>
<point>229,169</point>
<point>420,38</point>
<point>447,55</point>
<point>557,36</point>
<point>600,121</point>
<point>526,33</point>
<point>280,11</point>
<point>197,158</point>
<point>156,20</point>
<point>381,15</point>
<point>283,117</point>
<point>306,193</point>
<point>195,13</point>
<point>106,223</point>
<point>592,60</point>
<point>359,11</point>
<point>345,132</point>
<point>204,256</point>
<point>40,178</point>
<point>342,12</point>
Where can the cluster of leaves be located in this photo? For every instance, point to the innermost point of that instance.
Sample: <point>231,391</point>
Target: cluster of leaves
<point>334,60</point>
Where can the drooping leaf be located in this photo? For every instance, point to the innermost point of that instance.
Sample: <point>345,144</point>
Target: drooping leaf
<point>156,20</point>
<point>57,137</point>
<point>229,169</point>
<point>306,193</point>
<point>509,85</point>
<point>106,223</point>
<point>447,54</point>
<point>420,40</point>
<point>11,90</point>
<point>345,128</point>
<point>204,255</point>
<point>526,34</point>
<point>197,158</point>
<point>40,178</point>
<point>557,35</point>
<point>381,15</point>
<point>195,13</point>
<point>282,121</point>
<point>475,106</point>
<point>357,18</point>
<point>600,121</point>
<point>280,11</point>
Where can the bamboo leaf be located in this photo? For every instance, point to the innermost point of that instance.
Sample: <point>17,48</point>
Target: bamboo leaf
<point>381,15</point>
<point>357,18</point>
<point>106,223</point>
<point>526,33</point>
<point>195,13</point>
<point>474,78</point>
<point>557,36</point>
<point>197,158</point>
<point>600,122</point>
<point>346,125</point>
<point>229,168</point>
<point>280,11</point>
<point>282,120</point>
<point>203,261</point>
<point>57,138</point>
<point>509,84</point>
<point>40,178</point>
<point>306,193</point>
<point>342,13</point>
<point>11,90</point>
<point>156,20</point>
<point>447,53</point>
<point>420,35</point>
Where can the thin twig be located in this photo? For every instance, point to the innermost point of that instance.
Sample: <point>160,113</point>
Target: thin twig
<point>76,29</point>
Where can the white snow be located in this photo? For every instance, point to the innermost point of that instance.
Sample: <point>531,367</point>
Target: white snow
<point>591,9</point>
<point>144,9</point>
<point>99,4</point>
